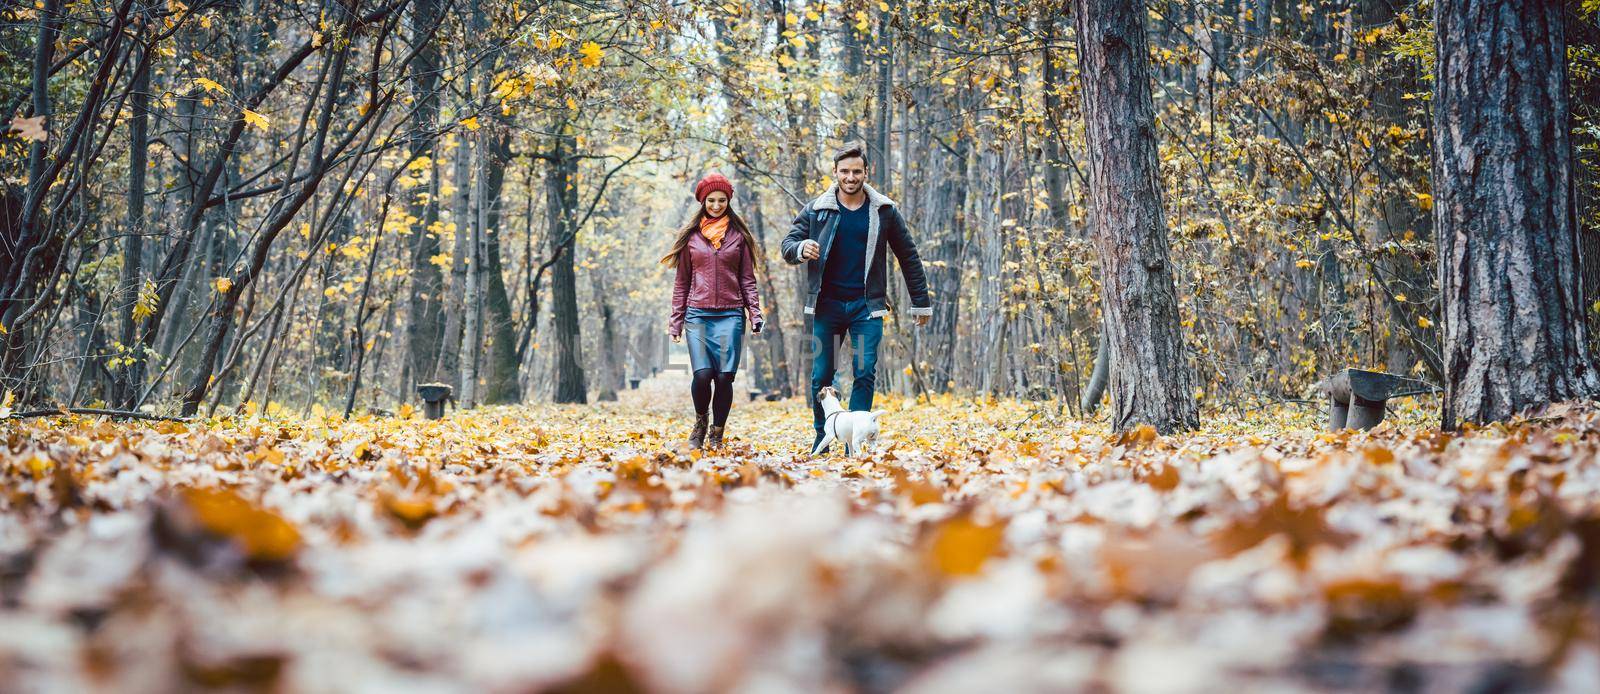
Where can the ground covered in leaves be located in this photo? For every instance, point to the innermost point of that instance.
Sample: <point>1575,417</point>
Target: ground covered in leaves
<point>984,547</point>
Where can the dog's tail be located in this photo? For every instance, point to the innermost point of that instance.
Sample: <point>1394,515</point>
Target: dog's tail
<point>876,414</point>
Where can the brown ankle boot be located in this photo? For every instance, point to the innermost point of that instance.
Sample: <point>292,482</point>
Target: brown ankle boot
<point>714,438</point>
<point>697,437</point>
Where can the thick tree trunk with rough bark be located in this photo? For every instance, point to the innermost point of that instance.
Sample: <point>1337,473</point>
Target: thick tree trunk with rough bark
<point>1150,379</point>
<point>1504,212</point>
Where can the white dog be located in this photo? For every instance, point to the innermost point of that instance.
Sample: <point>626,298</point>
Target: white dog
<point>856,429</point>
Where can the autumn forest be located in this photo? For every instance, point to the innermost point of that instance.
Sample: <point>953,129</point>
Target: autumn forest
<point>1205,323</point>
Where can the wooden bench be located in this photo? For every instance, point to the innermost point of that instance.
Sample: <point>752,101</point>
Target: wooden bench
<point>1358,399</point>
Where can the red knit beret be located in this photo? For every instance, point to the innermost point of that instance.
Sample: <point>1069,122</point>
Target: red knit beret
<point>712,181</point>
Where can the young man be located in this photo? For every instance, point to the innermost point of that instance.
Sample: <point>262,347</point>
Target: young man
<point>841,236</point>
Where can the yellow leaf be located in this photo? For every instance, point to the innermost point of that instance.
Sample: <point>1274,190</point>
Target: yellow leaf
<point>260,534</point>
<point>471,123</point>
<point>145,305</point>
<point>209,85</point>
<point>222,285</point>
<point>960,546</point>
<point>1424,201</point>
<point>412,511</point>
<point>591,54</point>
<point>255,119</point>
<point>1423,322</point>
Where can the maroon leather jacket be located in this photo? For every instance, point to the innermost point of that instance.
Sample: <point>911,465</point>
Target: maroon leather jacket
<point>715,278</point>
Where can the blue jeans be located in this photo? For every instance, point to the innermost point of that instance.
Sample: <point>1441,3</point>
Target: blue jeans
<point>834,318</point>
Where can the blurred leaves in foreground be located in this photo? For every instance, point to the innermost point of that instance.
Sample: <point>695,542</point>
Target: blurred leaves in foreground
<point>984,546</point>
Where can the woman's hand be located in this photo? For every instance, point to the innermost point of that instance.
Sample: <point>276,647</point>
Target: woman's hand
<point>757,325</point>
<point>676,337</point>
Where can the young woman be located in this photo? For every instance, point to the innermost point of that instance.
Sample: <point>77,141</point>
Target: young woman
<point>716,258</point>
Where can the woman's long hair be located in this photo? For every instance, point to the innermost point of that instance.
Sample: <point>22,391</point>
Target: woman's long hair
<point>734,221</point>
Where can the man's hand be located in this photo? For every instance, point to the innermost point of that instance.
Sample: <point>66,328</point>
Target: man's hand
<point>922,320</point>
<point>677,337</point>
<point>810,250</point>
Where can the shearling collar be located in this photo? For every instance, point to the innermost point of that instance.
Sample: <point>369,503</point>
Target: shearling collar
<point>829,200</point>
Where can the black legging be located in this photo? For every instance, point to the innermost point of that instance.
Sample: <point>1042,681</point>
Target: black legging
<point>721,402</point>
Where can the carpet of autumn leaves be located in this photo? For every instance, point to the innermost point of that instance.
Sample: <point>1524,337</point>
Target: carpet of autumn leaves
<point>986,546</point>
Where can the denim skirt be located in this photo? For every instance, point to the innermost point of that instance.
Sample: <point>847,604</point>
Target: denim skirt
<point>715,338</point>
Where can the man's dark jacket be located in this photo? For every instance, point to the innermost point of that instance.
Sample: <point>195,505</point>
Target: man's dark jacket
<point>885,228</point>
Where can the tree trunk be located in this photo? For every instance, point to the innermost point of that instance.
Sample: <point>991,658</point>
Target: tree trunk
<point>880,134</point>
<point>19,239</point>
<point>425,329</point>
<point>610,357</point>
<point>1150,379</point>
<point>461,218</point>
<point>1504,214</point>
<point>129,379</point>
<point>504,362</point>
<point>570,382</point>
<point>1098,378</point>
<point>472,312</point>
<point>777,366</point>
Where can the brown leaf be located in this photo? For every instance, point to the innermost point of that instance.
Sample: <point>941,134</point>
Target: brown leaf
<point>1305,529</point>
<point>919,491</point>
<point>1160,476</point>
<point>1359,606</point>
<point>31,129</point>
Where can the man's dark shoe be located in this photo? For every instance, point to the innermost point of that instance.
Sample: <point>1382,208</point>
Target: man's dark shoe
<point>697,437</point>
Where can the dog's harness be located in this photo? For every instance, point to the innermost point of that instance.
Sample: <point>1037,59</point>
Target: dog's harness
<point>829,418</point>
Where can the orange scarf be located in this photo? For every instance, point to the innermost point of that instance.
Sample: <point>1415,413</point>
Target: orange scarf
<point>714,230</point>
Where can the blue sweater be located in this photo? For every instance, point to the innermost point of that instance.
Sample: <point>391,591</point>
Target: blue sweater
<point>845,275</point>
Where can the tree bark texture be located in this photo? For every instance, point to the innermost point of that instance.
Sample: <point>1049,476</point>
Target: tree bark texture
<point>1150,379</point>
<point>1504,211</point>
